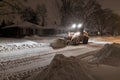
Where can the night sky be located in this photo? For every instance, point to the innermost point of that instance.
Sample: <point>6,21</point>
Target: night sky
<point>112,4</point>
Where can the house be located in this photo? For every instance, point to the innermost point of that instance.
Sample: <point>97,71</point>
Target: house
<point>52,30</point>
<point>20,30</point>
<point>28,29</point>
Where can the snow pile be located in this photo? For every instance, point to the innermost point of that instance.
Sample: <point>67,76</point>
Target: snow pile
<point>63,68</point>
<point>19,45</point>
<point>59,43</point>
<point>109,54</point>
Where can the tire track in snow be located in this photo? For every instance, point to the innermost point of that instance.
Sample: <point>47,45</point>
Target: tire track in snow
<point>21,68</point>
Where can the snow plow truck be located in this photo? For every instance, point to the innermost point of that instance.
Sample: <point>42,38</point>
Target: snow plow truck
<point>75,38</point>
<point>72,38</point>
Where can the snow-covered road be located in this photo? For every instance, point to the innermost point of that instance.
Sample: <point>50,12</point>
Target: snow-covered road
<point>27,64</point>
<point>20,63</point>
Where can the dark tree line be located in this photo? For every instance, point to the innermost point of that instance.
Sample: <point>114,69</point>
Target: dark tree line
<point>9,10</point>
<point>91,15</point>
<point>88,12</point>
<point>105,21</point>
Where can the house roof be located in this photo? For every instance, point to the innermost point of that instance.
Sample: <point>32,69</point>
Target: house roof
<point>23,25</point>
<point>34,26</point>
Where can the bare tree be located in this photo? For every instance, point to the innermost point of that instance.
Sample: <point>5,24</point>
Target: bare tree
<point>100,18</point>
<point>78,10</point>
<point>8,9</point>
<point>15,6</point>
<point>42,13</point>
<point>113,24</point>
<point>66,11</point>
<point>83,10</point>
<point>29,15</point>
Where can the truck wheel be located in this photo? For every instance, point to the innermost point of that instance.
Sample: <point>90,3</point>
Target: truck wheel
<point>76,41</point>
<point>73,42</point>
<point>85,40</point>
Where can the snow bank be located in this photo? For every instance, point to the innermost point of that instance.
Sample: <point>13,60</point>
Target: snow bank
<point>11,46</point>
<point>109,54</point>
<point>63,68</point>
<point>59,43</point>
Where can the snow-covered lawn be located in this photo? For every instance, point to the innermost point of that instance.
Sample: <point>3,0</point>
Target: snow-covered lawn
<point>99,42</point>
<point>19,48</point>
<point>105,40</point>
<point>5,47</point>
